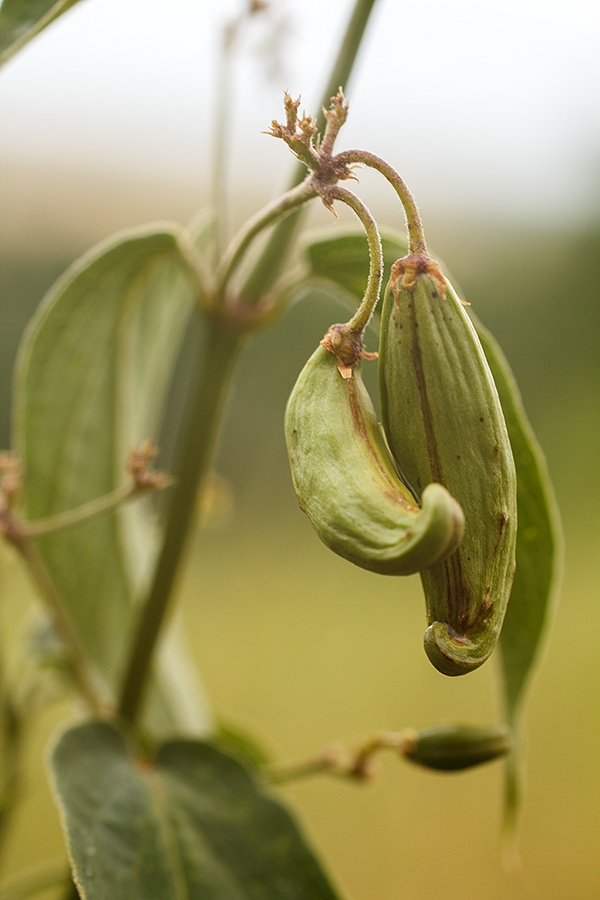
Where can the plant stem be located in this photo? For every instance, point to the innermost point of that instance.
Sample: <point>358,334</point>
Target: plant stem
<point>357,765</point>
<point>280,208</point>
<point>75,651</point>
<point>213,382</point>
<point>326,763</point>
<point>272,260</point>
<point>84,513</point>
<point>221,141</point>
<point>210,393</point>
<point>362,316</point>
<point>416,236</point>
<point>11,724</point>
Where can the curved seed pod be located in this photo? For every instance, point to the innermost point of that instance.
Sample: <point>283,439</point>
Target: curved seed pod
<point>346,481</point>
<point>444,423</point>
<point>451,747</point>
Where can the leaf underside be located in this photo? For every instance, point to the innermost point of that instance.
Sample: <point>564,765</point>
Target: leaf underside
<point>192,824</point>
<point>92,376</point>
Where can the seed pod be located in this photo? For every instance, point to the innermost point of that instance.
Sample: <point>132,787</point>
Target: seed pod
<point>444,423</point>
<point>346,481</point>
<point>451,747</point>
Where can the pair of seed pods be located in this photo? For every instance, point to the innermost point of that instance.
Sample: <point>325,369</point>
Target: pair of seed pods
<point>444,435</point>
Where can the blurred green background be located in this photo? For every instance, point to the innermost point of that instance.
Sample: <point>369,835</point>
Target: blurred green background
<point>303,650</point>
<point>105,130</point>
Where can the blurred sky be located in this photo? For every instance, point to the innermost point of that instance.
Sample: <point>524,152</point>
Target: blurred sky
<point>480,105</point>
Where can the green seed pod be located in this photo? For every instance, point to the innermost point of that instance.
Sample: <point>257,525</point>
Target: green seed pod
<point>346,480</point>
<point>451,747</point>
<point>444,423</point>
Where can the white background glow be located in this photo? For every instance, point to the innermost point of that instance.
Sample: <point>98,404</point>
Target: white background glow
<point>493,106</point>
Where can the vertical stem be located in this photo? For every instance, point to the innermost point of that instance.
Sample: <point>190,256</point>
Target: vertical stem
<point>74,650</point>
<point>10,779</point>
<point>273,258</point>
<point>221,142</point>
<point>210,393</point>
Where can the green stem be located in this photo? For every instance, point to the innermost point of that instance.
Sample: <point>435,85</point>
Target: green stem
<point>273,258</point>
<point>221,142</point>
<point>210,393</point>
<point>74,649</point>
<point>213,383</point>
<point>362,316</point>
<point>356,766</point>
<point>416,236</point>
<point>10,779</point>
<point>84,513</point>
<point>325,764</point>
<point>277,210</point>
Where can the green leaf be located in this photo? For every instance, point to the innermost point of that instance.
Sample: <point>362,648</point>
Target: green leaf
<point>240,743</point>
<point>343,260</point>
<point>21,20</point>
<point>538,571</point>
<point>191,823</point>
<point>539,540</point>
<point>92,375</point>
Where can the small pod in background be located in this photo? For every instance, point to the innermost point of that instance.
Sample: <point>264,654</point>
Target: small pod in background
<point>450,747</point>
<point>444,423</point>
<point>347,483</point>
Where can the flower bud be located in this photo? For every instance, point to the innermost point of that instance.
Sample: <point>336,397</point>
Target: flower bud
<point>451,747</point>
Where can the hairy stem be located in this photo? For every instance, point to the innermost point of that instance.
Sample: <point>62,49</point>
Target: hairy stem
<point>360,319</point>
<point>210,393</point>
<point>272,260</point>
<point>416,236</point>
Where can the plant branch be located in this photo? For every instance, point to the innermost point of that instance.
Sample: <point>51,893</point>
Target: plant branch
<point>221,132</point>
<point>275,211</point>
<point>210,392</point>
<point>212,385</point>
<point>357,766</point>
<point>84,513</point>
<point>74,651</point>
<point>416,236</point>
<point>142,482</point>
<point>17,535</point>
<point>273,257</point>
<point>11,733</point>
<point>224,99</point>
<point>346,340</point>
<point>362,316</point>
<point>447,747</point>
